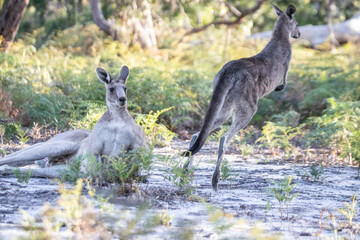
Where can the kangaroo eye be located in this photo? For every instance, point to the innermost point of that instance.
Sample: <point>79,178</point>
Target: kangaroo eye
<point>125,89</point>
<point>112,89</point>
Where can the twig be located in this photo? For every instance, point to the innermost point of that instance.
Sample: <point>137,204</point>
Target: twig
<point>238,20</point>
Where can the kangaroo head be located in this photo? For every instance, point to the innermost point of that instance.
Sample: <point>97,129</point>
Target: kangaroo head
<point>115,89</point>
<point>287,21</point>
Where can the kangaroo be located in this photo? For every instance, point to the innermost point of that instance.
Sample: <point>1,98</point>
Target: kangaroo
<point>115,132</point>
<point>241,83</point>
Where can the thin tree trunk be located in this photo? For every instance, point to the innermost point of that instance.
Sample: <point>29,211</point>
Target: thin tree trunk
<point>10,17</point>
<point>143,28</point>
<point>101,21</point>
<point>332,38</point>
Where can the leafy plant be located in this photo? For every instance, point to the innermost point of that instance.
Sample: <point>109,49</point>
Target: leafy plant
<point>352,148</point>
<point>72,171</point>
<point>157,133</point>
<point>163,218</point>
<point>2,133</point>
<point>316,171</point>
<point>227,172</point>
<point>337,127</point>
<point>279,136</point>
<point>22,176</point>
<point>133,166</point>
<point>349,210</point>
<point>22,136</point>
<point>91,168</point>
<point>282,192</point>
<point>176,174</point>
<point>11,130</point>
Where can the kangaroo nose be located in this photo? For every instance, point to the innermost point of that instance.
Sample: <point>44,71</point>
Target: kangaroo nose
<point>122,99</point>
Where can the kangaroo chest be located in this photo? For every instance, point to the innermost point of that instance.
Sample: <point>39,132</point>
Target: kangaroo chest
<point>119,137</point>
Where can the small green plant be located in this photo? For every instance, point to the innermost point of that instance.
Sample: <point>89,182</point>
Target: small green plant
<point>2,133</point>
<point>216,136</point>
<point>282,192</point>
<point>156,132</point>
<point>72,171</point>
<point>353,148</point>
<point>278,136</point>
<point>240,141</point>
<point>268,137</point>
<point>316,171</point>
<point>349,210</point>
<point>227,172</point>
<point>22,136</point>
<point>22,176</point>
<point>92,168</point>
<point>163,218</point>
<point>221,220</point>
<point>11,130</point>
<point>133,166</point>
<point>176,174</point>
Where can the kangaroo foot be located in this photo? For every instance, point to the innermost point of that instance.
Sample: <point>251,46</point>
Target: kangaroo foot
<point>215,181</point>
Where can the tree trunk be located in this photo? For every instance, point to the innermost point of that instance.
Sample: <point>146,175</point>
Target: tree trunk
<point>99,20</point>
<point>10,17</point>
<point>143,28</point>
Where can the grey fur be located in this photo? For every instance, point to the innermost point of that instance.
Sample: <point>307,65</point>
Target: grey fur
<point>115,132</point>
<point>241,83</point>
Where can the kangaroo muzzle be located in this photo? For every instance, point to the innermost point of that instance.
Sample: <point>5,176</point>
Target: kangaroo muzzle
<point>122,101</point>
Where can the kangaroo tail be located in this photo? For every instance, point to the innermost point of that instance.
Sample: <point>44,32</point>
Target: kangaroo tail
<point>216,103</point>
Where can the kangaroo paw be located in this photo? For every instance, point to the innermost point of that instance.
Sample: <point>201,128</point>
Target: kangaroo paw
<point>279,88</point>
<point>215,181</point>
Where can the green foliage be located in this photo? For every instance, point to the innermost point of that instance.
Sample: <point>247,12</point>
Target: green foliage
<point>177,175</point>
<point>11,130</point>
<point>216,136</point>
<point>352,148</point>
<point>91,168</point>
<point>227,172</point>
<point>133,166</point>
<point>2,133</point>
<point>282,192</point>
<point>157,133</point>
<point>240,141</point>
<point>316,171</point>
<point>73,170</point>
<point>275,135</point>
<point>22,136</point>
<point>22,176</point>
<point>337,127</point>
<point>349,210</point>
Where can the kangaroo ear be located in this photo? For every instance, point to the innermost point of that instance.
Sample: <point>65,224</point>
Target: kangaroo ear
<point>290,11</point>
<point>103,75</point>
<point>124,74</point>
<point>276,9</point>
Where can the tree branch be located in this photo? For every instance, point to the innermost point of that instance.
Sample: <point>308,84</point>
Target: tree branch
<point>99,20</point>
<point>239,18</point>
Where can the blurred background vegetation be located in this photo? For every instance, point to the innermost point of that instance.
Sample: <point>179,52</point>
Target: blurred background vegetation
<point>47,76</point>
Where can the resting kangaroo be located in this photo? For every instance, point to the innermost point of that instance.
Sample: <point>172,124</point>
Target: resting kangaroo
<point>114,133</point>
<point>241,83</point>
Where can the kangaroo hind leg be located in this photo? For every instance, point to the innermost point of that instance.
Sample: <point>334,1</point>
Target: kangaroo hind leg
<point>241,119</point>
<point>224,115</point>
<point>38,152</point>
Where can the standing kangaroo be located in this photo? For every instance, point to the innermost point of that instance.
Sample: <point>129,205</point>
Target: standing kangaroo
<point>115,132</point>
<point>240,84</point>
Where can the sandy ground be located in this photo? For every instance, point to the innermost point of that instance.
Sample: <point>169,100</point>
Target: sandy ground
<point>245,198</point>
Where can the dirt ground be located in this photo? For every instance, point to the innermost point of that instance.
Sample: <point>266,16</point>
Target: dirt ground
<point>245,198</point>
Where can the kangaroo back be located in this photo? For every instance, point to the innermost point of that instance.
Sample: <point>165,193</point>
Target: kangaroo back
<point>216,103</point>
